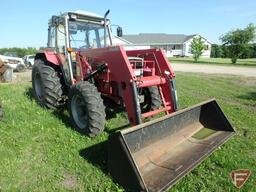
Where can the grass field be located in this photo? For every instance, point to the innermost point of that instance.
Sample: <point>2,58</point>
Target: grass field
<point>40,152</point>
<point>214,61</point>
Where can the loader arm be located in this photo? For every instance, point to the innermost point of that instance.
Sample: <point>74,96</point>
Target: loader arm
<point>118,64</point>
<point>121,72</point>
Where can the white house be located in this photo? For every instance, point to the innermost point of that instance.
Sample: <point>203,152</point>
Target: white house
<point>172,44</point>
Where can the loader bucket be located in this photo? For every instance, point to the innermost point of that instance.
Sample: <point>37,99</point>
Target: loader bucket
<point>153,156</point>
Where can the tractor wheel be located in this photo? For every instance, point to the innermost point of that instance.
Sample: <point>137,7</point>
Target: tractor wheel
<point>1,111</point>
<point>86,109</point>
<point>20,68</point>
<point>47,86</point>
<point>151,99</point>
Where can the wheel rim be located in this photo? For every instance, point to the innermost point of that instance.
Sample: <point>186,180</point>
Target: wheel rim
<point>38,86</point>
<point>78,110</point>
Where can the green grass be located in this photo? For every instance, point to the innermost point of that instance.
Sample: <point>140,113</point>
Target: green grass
<point>40,152</point>
<point>203,133</point>
<point>214,61</point>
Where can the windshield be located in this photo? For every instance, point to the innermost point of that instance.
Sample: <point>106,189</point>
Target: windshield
<point>86,35</point>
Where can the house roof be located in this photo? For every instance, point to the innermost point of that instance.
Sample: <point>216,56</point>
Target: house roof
<point>157,38</point>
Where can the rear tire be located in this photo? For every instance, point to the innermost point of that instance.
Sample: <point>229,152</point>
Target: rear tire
<point>152,99</point>
<point>47,86</point>
<point>86,109</point>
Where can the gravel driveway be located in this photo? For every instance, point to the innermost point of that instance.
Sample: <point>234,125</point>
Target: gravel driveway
<point>21,77</point>
<point>201,68</point>
<point>215,69</point>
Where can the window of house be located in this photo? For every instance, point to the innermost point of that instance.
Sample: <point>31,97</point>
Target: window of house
<point>175,47</point>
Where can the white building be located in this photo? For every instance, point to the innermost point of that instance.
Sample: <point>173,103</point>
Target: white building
<point>172,44</point>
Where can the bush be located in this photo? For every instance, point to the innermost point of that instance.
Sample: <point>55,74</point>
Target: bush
<point>21,52</point>
<point>223,51</point>
<point>216,51</point>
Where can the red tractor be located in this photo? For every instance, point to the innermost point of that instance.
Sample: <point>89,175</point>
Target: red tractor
<point>82,68</point>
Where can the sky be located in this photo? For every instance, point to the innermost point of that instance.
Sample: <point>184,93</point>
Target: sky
<point>24,22</point>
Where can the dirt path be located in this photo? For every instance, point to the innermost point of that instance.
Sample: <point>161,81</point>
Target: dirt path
<point>25,76</point>
<point>215,69</point>
<point>21,77</point>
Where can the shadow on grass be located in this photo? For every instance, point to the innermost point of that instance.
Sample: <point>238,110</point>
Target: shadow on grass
<point>248,96</point>
<point>29,93</point>
<point>62,115</point>
<point>59,113</point>
<point>97,155</point>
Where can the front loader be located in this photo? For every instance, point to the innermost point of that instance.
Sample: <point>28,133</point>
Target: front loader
<point>82,69</point>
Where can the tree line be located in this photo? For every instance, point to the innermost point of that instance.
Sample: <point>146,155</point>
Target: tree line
<point>222,51</point>
<point>236,44</point>
<point>21,52</point>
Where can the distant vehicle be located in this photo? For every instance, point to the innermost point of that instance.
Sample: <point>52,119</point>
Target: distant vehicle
<point>11,60</point>
<point>29,60</point>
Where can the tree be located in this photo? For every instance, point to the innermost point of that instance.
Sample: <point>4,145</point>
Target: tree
<point>21,52</point>
<point>213,50</point>
<point>254,50</point>
<point>197,47</point>
<point>247,52</point>
<point>237,41</point>
<point>216,51</point>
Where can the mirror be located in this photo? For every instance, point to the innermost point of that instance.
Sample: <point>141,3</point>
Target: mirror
<point>119,31</point>
<point>55,20</point>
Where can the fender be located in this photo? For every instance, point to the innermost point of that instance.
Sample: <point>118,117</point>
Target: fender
<point>51,56</point>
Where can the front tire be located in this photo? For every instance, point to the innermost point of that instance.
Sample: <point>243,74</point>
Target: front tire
<point>86,109</point>
<point>151,99</point>
<point>47,85</point>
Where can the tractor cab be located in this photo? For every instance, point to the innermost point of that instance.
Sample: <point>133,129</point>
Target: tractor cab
<point>78,30</point>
